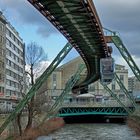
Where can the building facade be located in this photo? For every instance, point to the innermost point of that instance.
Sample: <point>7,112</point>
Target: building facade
<point>131,81</point>
<point>62,74</point>
<point>12,63</point>
<point>134,86</point>
<point>98,89</point>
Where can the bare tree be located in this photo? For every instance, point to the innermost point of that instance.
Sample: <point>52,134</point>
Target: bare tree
<point>34,54</point>
<point>18,119</point>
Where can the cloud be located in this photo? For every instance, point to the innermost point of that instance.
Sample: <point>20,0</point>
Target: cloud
<point>25,14</point>
<point>122,16</point>
<point>118,15</point>
<point>120,60</point>
<point>38,71</point>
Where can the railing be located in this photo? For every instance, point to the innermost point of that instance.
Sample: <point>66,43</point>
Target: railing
<point>110,103</point>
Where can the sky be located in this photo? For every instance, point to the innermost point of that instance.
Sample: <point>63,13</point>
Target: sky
<point>121,16</point>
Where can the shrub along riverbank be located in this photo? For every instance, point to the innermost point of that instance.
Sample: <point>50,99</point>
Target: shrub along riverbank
<point>43,130</point>
<point>134,123</point>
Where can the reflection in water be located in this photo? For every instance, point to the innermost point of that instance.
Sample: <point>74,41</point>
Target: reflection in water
<point>95,132</point>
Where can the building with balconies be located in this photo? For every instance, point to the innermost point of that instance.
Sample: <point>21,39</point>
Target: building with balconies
<point>12,63</point>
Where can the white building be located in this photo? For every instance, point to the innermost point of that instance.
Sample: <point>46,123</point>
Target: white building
<point>12,62</point>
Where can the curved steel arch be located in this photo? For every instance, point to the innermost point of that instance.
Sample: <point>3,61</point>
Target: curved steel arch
<point>78,21</point>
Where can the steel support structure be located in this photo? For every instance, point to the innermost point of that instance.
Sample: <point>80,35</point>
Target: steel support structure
<point>69,85</point>
<point>37,85</point>
<point>116,98</point>
<point>126,55</point>
<point>75,111</point>
<point>78,21</point>
<point>122,87</point>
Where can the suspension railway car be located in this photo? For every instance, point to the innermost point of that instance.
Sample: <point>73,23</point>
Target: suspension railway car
<point>107,68</point>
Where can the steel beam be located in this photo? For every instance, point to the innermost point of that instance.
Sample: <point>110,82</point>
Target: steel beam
<point>116,98</point>
<point>63,112</point>
<point>69,85</point>
<point>122,87</point>
<point>126,55</point>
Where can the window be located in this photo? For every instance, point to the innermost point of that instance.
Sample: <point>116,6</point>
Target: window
<point>8,32</point>
<point>1,27</point>
<point>8,62</point>
<point>7,72</point>
<point>12,36</point>
<point>54,77</point>
<point>12,65</point>
<point>16,49</point>
<point>2,52</point>
<point>1,78</point>
<point>10,53</point>
<point>1,91</point>
<point>8,43</point>
<point>8,92</point>
<point>8,82</point>
<point>113,86</point>
<point>12,46</point>
<point>1,39</point>
<point>1,65</point>
<point>122,78</point>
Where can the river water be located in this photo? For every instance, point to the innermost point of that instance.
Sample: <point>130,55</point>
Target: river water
<point>95,131</point>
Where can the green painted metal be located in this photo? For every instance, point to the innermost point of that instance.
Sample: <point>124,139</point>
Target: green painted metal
<point>116,111</point>
<point>122,87</point>
<point>116,98</point>
<point>126,55</point>
<point>81,26</point>
<point>37,85</point>
<point>69,85</point>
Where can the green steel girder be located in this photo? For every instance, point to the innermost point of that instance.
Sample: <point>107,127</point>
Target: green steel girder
<point>122,87</point>
<point>37,85</point>
<point>75,111</point>
<point>126,55</point>
<point>65,14</point>
<point>49,2</point>
<point>74,13</point>
<point>71,82</point>
<point>116,98</point>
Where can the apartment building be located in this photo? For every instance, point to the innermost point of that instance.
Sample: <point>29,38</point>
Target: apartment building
<point>12,64</point>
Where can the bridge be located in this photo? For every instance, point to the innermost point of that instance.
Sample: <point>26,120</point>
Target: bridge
<point>89,107</point>
<point>78,21</point>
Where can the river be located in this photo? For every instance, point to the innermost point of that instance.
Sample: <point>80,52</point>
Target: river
<point>95,131</point>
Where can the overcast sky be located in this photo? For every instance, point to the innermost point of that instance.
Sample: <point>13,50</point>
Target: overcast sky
<point>119,15</point>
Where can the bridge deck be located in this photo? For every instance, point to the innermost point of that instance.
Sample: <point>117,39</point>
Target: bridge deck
<point>78,111</point>
<point>78,21</point>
